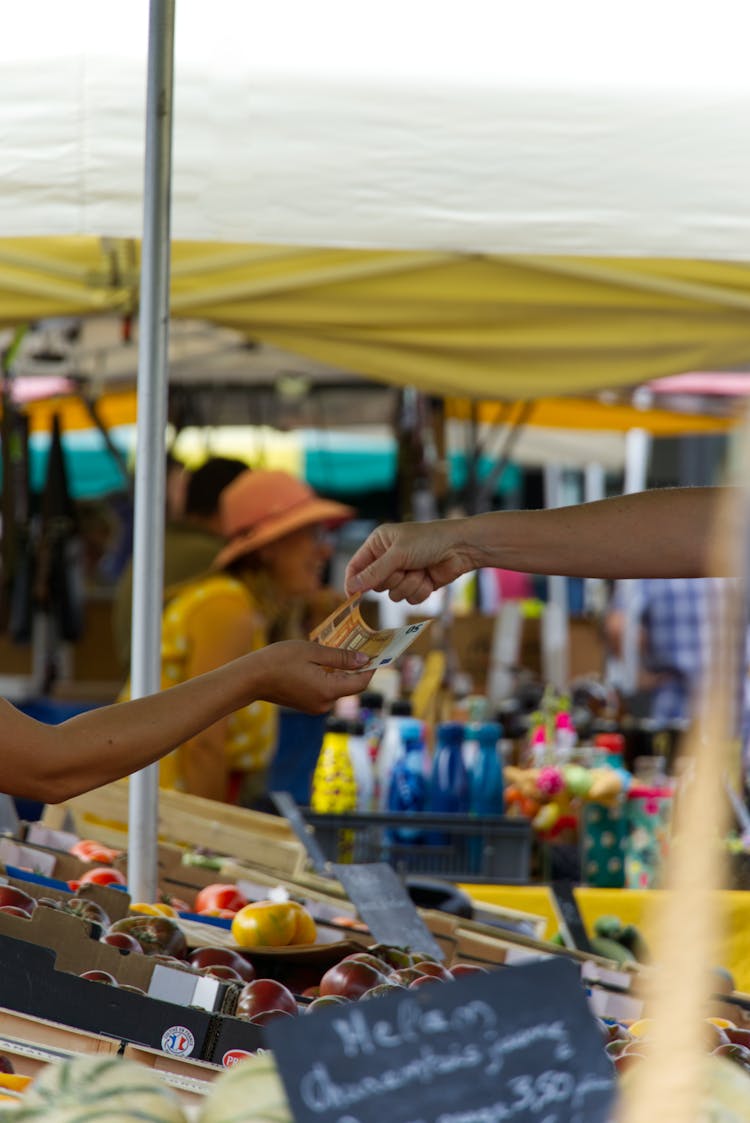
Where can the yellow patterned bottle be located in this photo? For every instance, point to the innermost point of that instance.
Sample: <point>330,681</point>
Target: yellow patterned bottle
<point>334,787</point>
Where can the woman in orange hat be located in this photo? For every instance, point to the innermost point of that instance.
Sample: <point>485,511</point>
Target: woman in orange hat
<point>273,561</point>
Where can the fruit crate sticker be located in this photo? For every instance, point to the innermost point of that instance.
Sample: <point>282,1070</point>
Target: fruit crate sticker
<point>517,1044</point>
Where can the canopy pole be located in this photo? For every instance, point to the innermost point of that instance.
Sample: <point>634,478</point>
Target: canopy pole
<point>148,543</point>
<point>637,456</point>
<point>556,624</point>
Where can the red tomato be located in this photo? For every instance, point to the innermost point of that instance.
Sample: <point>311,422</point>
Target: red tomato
<point>89,851</point>
<point>102,875</point>
<point>220,897</point>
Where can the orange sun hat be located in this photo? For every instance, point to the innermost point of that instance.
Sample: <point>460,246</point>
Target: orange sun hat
<point>261,507</point>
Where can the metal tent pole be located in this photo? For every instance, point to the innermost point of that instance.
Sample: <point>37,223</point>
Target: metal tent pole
<point>148,545</point>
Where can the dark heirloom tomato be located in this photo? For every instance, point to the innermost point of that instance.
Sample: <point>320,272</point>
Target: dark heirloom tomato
<point>87,910</point>
<point>157,935</point>
<point>350,978</point>
<point>19,898</point>
<point>228,957</point>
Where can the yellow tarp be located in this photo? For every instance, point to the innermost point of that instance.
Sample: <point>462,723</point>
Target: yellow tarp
<point>119,407</point>
<point>115,407</point>
<point>587,414</point>
<point>633,906</point>
<point>517,327</point>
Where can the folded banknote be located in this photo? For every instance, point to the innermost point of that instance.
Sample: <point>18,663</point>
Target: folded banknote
<point>346,628</point>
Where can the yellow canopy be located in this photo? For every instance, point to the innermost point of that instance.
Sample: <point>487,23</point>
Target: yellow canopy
<point>586,414</point>
<point>512,327</point>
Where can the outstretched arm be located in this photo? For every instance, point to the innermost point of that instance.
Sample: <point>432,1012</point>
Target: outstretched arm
<point>51,763</point>
<point>659,533</point>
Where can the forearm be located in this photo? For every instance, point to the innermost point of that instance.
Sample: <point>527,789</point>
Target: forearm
<point>659,533</point>
<point>101,745</point>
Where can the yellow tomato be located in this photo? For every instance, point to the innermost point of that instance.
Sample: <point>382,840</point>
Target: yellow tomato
<point>158,909</point>
<point>305,931</point>
<point>265,924</point>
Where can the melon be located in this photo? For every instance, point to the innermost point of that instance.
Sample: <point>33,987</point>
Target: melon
<point>249,1092</point>
<point>100,1089</point>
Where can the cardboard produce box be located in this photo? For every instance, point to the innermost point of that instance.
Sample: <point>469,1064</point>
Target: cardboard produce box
<point>33,985</point>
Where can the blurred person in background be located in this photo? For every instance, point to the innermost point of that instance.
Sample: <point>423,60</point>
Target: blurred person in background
<point>676,619</point>
<point>192,537</point>
<point>262,581</point>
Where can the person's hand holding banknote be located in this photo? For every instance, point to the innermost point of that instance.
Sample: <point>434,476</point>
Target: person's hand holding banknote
<point>346,628</point>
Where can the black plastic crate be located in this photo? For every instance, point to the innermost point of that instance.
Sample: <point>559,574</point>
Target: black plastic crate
<point>459,847</point>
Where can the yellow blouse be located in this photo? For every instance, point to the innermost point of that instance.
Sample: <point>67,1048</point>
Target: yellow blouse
<point>194,624</point>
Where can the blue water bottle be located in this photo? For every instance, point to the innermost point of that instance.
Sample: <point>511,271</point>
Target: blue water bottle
<point>486,788</point>
<point>449,783</point>
<point>407,789</point>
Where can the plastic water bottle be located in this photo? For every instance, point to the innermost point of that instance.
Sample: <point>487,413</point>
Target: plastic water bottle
<point>407,790</point>
<point>371,715</point>
<point>334,787</point>
<point>486,787</point>
<point>448,790</point>
<point>359,754</point>
<point>486,783</point>
<point>391,749</point>
<point>449,782</point>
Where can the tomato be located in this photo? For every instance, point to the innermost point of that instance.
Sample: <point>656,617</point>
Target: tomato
<point>220,897</point>
<point>305,931</point>
<point>177,904</point>
<point>102,875</point>
<point>158,909</point>
<point>87,910</point>
<point>157,935</point>
<point>17,897</point>
<point>265,924</point>
<point>89,851</point>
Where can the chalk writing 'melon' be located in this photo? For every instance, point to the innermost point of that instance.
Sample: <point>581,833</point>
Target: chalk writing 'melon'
<point>358,1036</point>
<point>515,1046</point>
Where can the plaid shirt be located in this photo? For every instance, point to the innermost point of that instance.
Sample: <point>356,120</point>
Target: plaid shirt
<point>678,616</point>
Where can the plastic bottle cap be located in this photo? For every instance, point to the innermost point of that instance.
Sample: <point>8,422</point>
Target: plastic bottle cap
<point>371,700</point>
<point>337,725</point>
<point>401,707</point>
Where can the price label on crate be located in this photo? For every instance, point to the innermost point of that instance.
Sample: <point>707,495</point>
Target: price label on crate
<point>386,907</point>
<point>516,1044</point>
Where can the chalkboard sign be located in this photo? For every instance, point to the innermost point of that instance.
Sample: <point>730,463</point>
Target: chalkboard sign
<point>569,918</point>
<point>516,1044</point>
<point>287,806</point>
<point>386,907</point>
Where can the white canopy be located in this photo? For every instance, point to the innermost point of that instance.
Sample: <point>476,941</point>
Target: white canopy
<point>497,127</point>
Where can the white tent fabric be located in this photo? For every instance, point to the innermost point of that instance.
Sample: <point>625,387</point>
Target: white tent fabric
<point>496,127</point>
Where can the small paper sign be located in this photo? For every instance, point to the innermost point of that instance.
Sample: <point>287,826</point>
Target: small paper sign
<point>346,628</point>
<point>516,1044</point>
<point>386,907</point>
